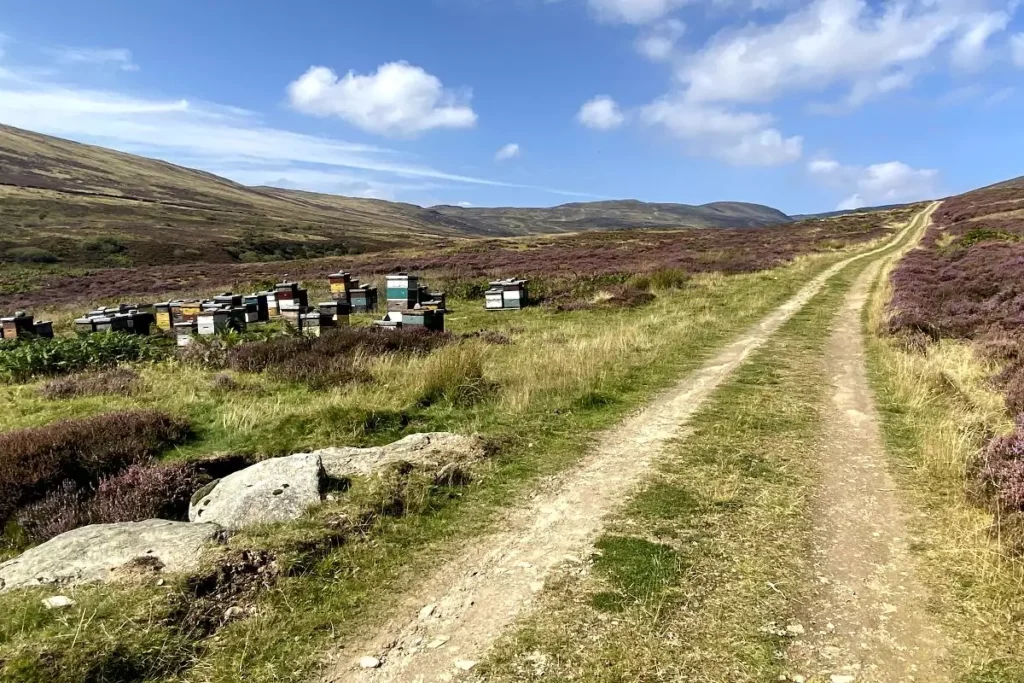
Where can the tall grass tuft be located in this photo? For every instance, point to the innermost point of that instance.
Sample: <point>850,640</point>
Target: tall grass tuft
<point>455,376</point>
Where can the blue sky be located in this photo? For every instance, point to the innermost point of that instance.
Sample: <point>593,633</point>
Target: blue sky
<point>806,106</point>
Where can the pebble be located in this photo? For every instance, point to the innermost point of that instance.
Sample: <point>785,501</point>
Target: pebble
<point>369,663</point>
<point>438,642</point>
<point>427,612</point>
<point>799,679</point>
<point>232,613</point>
<point>795,629</point>
<point>843,678</point>
<point>57,602</point>
<point>464,664</point>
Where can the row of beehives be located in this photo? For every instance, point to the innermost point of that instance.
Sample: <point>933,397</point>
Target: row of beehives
<point>409,304</point>
<point>21,324</point>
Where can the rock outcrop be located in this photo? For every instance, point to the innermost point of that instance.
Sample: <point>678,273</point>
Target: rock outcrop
<point>275,490</point>
<point>97,552</point>
<point>436,450</point>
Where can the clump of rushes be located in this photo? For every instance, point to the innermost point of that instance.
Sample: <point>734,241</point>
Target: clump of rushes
<point>38,460</point>
<point>22,360</point>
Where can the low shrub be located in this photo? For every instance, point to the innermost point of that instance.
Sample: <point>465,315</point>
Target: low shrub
<point>618,296</point>
<point>38,460</point>
<point>319,362</point>
<point>24,359</point>
<point>116,382</point>
<point>31,255</point>
<point>1002,472</point>
<point>138,493</point>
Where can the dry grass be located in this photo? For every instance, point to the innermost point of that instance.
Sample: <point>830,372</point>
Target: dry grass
<point>939,408</point>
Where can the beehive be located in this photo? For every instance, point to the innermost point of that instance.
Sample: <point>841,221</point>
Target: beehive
<point>364,299</point>
<point>337,311</point>
<point>429,319</point>
<point>494,298</point>
<point>44,329</point>
<point>85,325</point>
<point>228,299</point>
<point>291,310</point>
<point>341,286</point>
<point>183,332</point>
<point>434,301</point>
<point>213,322</point>
<point>162,316</point>
<point>103,323</point>
<point>290,291</point>
<point>18,325</point>
<point>506,295</point>
<point>273,307</point>
<point>402,291</point>
<point>186,311</point>
<point>259,304</point>
<point>313,324</point>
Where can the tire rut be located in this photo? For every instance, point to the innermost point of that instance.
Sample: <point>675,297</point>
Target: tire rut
<point>453,618</point>
<point>865,617</point>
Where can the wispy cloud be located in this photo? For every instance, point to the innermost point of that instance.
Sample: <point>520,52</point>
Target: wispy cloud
<point>119,58</point>
<point>214,137</point>
<point>509,151</point>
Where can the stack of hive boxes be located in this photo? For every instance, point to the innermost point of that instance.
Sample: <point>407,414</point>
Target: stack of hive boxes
<point>21,325</point>
<point>505,295</point>
<point>412,305</point>
<point>128,318</point>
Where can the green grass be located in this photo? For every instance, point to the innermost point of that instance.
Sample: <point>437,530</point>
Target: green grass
<point>702,568</point>
<point>563,377</point>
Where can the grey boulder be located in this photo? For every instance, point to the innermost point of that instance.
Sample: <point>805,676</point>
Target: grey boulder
<point>275,490</point>
<point>95,553</point>
<point>434,450</point>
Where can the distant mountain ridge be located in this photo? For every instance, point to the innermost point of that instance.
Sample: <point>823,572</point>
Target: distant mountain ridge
<point>87,205</point>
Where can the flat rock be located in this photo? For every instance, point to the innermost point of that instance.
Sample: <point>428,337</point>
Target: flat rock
<point>434,450</point>
<point>275,490</point>
<point>95,553</point>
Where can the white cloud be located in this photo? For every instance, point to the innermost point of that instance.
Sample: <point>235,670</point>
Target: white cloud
<point>1017,48</point>
<point>509,151</point>
<point>116,57</point>
<point>658,43</point>
<point>831,42</point>
<point>892,182</point>
<point>739,138</point>
<point>601,113</point>
<point>970,51</point>
<point>398,99</point>
<point>464,205</point>
<point>212,137</point>
<point>633,11</point>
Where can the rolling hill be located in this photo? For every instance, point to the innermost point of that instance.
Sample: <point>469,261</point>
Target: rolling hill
<point>62,201</point>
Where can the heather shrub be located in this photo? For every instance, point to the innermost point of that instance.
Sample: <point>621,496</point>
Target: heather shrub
<point>36,460</point>
<point>1002,471</point>
<point>117,382</point>
<point>617,296</point>
<point>320,362</point>
<point>24,359</point>
<point>138,493</point>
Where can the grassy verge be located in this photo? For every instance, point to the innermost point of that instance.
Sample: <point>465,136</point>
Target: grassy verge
<point>562,377</point>
<point>938,409</point>
<point>698,575</point>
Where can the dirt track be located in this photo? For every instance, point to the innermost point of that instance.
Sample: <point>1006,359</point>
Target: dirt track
<point>454,617</point>
<point>866,618</point>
